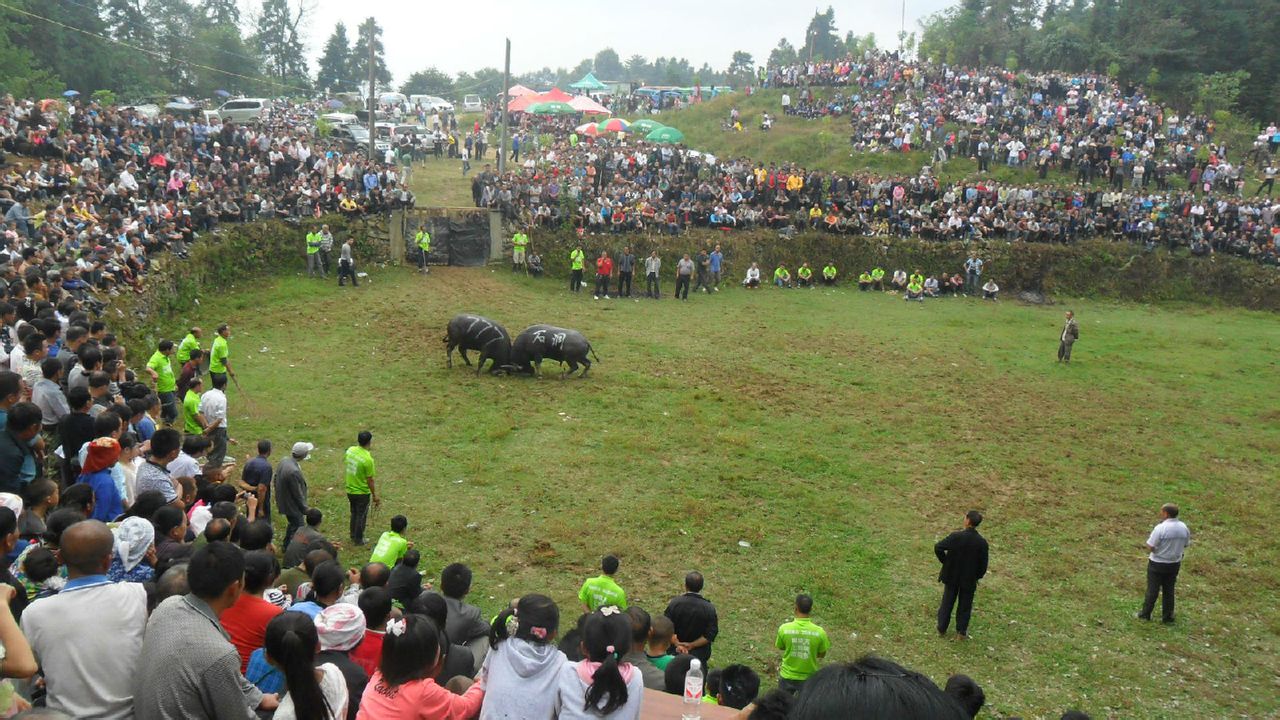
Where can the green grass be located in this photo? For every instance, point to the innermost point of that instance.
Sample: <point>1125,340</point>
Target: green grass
<point>840,434</point>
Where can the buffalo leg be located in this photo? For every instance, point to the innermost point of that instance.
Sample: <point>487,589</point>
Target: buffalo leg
<point>586,365</point>
<point>463,352</point>
<point>448,354</point>
<point>480,362</point>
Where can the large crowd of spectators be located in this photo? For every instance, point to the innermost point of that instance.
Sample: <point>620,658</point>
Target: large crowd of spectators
<point>96,191</point>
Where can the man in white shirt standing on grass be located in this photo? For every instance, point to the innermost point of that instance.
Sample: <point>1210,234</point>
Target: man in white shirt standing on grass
<point>1167,543</point>
<point>213,406</point>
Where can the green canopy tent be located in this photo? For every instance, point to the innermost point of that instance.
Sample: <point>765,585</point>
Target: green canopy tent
<point>644,126</point>
<point>665,135</point>
<point>551,108</point>
<point>589,83</point>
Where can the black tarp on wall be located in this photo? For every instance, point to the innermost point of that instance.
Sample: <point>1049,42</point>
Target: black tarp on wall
<point>460,239</point>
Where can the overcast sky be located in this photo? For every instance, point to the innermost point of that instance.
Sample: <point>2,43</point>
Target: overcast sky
<point>458,36</point>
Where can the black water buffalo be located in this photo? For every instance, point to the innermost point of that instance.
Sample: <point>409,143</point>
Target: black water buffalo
<point>547,341</point>
<point>472,332</point>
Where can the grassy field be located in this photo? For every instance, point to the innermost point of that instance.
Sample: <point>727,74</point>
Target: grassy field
<point>822,441</point>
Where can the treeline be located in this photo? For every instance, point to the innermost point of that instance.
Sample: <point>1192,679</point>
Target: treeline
<point>1206,54</point>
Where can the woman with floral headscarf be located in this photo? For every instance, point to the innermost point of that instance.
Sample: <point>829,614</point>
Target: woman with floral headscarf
<point>100,457</point>
<point>134,558</point>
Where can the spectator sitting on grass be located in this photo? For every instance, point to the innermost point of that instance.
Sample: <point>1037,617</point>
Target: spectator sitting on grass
<point>391,544</point>
<point>405,583</point>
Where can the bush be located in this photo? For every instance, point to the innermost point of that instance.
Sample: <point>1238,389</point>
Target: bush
<point>1094,268</point>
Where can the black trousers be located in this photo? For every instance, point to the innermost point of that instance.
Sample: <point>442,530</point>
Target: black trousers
<point>682,287</point>
<point>651,285</point>
<point>1161,577</point>
<point>602,284</point>
<point>950,595</point>
<point>359,515</point>
<point>575,281</point>
<point>295,524</point>
<point>624,284</point>
<point>347,270</point>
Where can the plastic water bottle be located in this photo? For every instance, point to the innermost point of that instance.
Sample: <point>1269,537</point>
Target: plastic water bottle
<point>692,709</point>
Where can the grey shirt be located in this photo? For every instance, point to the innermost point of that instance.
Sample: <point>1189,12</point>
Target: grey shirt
<point>189,669</point>
<point>291,488</point>
<point>684,267</point>
<point>346,253</point>
<point>47,395</point>
<point>627,263</point>
<point>1170,539</point>
<point>654,679</point>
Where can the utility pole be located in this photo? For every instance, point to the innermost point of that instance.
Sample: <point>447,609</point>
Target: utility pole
<point>373,102</point>
<point>506,88</point>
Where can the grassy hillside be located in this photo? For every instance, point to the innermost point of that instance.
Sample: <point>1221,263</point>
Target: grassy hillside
<point>821,441</point>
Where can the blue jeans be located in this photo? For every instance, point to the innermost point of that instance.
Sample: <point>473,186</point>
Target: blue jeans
<point>168,407</point>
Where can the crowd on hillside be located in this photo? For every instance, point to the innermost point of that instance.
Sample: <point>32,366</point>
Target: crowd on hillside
<point>103,188</point>
<point>607,186</point>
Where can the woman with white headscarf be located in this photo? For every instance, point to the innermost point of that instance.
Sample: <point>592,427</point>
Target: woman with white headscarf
<point>134,558</point>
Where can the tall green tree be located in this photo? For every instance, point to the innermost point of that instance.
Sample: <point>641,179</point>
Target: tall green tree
<point>221,12</point>
<point>429,82</point>
<point>83,61</point>
<point>607,65</point>
<point>742,66</point>
<point>821,40</point>
<point>637,68</point>
<point>782,55</point>
<point>279,41</point>
<point>370,32</point>
<point>334,72</point>
<point>20,74</point>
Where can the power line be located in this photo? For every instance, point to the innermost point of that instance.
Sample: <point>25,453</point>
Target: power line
<point>206,46</point>
<point>153,53</point>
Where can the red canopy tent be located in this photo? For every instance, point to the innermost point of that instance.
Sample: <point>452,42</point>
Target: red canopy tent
<point>522,103</point>
<point>520,91</point>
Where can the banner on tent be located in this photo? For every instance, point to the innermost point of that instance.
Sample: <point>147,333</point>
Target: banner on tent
<point>459,237</point>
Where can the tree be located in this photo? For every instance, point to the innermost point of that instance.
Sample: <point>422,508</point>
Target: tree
<point>607,65</point>
<point>742,65</point>
<point>222,47</point>
<point>20,75</point>
<point>428,82</point>
<point>279,43</point>
<point>782,55</point>
<point>821,41</point>
<point>174,24</point>
<point>334,72</point>
<point>81,61</point>
<point>1219,91</point>
<point>637,67</point>
<point>221,12</point>
<point>370,32</point>
<point>486,82</point>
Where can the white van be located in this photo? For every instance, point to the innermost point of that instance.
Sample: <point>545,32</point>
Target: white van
<point>472,104</point>
<point>430,103</point>
<point>244,110</point>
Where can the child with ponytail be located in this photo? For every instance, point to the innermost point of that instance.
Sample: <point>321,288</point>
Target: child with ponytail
<point>522,670</point>
<point>404,686</point>
<point>311,693</point>
<point>600,685</point>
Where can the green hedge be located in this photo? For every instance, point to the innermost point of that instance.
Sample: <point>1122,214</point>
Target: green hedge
<point>1086,269</point>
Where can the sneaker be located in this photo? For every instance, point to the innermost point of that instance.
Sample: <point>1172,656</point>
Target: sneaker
<point>606,297</point>
<point>595,297</point>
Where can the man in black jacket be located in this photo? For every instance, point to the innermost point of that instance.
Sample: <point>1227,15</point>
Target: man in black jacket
<point>963,555</point>
<point>694,618</point>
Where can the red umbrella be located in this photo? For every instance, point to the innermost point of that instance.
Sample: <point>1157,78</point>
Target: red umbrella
<point>588,129</point>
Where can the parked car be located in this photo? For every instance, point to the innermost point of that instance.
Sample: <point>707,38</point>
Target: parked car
<point>472,104</point>
<point>355,138</point>
<point>245,110</point>
<point>431,103</point>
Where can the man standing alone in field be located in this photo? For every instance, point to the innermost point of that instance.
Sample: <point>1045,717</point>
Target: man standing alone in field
<point>1167,543</point>
<point>220,353</point>
<point>963,555</point>
<point>360,487</point>
<point>519,243</point>
<point>1070,333</point>
<point>576,261</point>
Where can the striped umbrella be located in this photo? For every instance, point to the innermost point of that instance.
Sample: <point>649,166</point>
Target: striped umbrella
<point>588,129</point>
<point>613,125</point>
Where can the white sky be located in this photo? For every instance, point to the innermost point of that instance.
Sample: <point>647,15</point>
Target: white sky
<point>559,33</point>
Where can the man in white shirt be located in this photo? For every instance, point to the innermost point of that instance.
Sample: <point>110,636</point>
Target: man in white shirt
<point>88,638</point>
<point>213,405</point>
<point>1167,542</point>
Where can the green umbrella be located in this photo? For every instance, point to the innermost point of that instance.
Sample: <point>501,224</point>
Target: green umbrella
<point>665,135</point>
<point>645,126</point>
<point>551,108</point>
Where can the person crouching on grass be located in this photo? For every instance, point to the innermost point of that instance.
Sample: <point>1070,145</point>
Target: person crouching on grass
<point>990,290</point>
<point>915,291</point>
<point>782,277</point>
<point>752,280</point>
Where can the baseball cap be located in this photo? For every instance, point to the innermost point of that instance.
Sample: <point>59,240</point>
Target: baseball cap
<point>303,450</point>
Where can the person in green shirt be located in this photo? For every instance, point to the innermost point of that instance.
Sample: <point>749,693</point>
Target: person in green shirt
<point>806,275</point>
<point>829,274</point>
<point>193,421</point>
<point>161,372</point>
<point>782,277</point>
<point>220,353</point>
<point>803,644</point>
<point>917,277</point>
<point>359,467</point>
<point>915,291</point>
<point>602,591</point>
<point>576,259</point>
<point>313,253</point>
<point>864,281</point>
<point>391,545</point>
<point>877,277</point>
<point>189,343</point>
<point>519,243</point>
<point>423,240</point>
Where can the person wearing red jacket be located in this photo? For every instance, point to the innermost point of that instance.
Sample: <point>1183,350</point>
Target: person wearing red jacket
<point>604,269</point>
